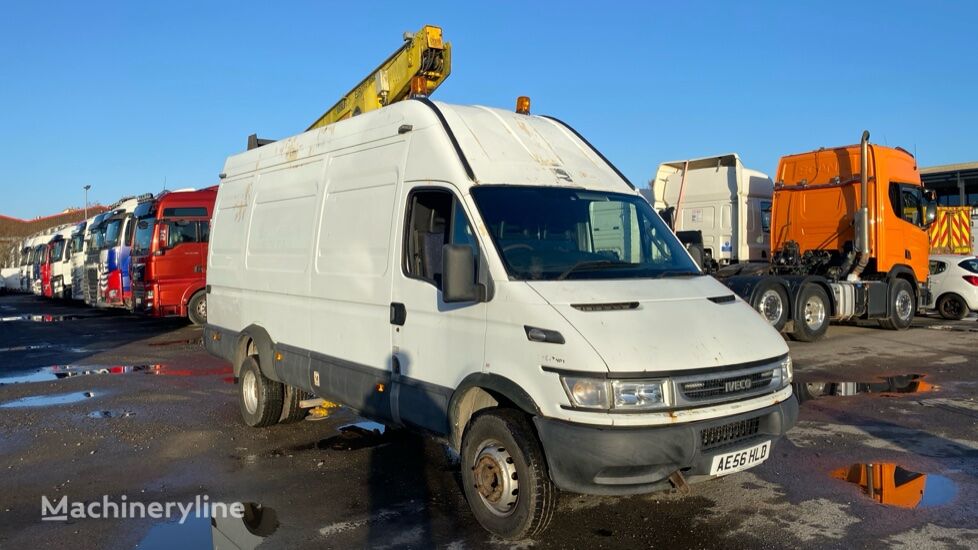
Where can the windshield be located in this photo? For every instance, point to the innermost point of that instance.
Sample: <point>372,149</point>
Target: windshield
<point>144,236</point>
<point>112,230</point>
<point>57,249</point>
<point>77,243</point>
<point>558,233</point>
<point>971,264</point>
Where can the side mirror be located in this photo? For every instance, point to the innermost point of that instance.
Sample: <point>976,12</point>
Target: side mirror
<point>458,274</point>
<point>930,213</point>
<point>164,237</point>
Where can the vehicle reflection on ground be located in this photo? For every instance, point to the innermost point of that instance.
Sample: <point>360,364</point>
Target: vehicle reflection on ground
<point>885,385</point>
<point>891,484</point>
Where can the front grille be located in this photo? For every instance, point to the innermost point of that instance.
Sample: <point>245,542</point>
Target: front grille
<point>729,433</point>
<point>727,386</point>
<point>91,288</point>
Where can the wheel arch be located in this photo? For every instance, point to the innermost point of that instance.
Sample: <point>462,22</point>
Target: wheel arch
<point>254,335</point>
<point>479,391</point>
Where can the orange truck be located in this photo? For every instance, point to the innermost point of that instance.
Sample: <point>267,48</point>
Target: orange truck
<point>849,240</point>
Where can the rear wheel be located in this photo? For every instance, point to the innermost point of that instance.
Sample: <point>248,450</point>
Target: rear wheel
<point>260,399</point>
<point>952,306</point>
<point>812,314</point>
<point>903,306</point>
<point>197,308</point>
<point>291,411</point>
<point>504,475</point>
<point>771,301</point>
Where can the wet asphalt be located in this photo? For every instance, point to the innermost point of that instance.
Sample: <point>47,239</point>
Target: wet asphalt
<point>97,403</point>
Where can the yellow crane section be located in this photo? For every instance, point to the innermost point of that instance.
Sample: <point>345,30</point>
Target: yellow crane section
<point>424,58</point>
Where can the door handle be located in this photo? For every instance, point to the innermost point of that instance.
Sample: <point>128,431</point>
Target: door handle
<point>398,313</point>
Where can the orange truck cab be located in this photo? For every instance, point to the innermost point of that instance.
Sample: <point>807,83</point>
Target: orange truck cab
<point>848,240</point>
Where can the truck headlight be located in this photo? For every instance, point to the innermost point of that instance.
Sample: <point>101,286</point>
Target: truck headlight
<point>787,371</point>
<point>601,394</point>
<point>640,394</point>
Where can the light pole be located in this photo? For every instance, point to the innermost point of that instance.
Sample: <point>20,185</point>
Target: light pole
<point>86,188</point>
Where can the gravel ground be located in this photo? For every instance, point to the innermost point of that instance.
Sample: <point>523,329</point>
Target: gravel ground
<point>141,411</point>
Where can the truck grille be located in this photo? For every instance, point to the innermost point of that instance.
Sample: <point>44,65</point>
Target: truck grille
<point>729,433</point>
<point>726,386</point>
<point>91,287</point>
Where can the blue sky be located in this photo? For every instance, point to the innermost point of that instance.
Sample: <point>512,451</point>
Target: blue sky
<point>127,95</point>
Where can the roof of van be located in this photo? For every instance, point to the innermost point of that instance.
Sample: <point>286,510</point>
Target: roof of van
<point>492,146</point>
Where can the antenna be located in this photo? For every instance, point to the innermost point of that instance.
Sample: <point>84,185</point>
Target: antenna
<point>164,183</point>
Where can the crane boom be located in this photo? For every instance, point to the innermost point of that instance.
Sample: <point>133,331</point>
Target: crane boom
<point>424,54</point>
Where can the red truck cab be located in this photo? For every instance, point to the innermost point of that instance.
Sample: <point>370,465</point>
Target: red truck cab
<point>169,255</point>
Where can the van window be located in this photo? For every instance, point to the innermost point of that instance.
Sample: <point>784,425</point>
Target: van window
<point>436,218</point>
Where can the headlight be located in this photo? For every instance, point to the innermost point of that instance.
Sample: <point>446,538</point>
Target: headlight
<point>787,371</point>
<point>588,393</point>
<point>594,393</point>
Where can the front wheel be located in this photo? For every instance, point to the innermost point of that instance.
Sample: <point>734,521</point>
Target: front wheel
<point>952,307</point>
<point>505,477</point>
<point>903,306</point>
<point>812,314</point>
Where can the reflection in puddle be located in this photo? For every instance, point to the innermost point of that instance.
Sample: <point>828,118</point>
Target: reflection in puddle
<point>45,400</point>
<point>111,414</point>
<point>907,383</point>
<point>30,347</point>
<point>352,437</point>
<point>58,372</point>
<point>219,533</point>
<point>891,484</point>
<point>43,318</point>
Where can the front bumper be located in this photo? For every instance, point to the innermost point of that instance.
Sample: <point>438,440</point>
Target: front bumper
<point>625,460</point>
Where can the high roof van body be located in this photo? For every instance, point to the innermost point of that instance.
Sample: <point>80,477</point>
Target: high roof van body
<point>490,278</point>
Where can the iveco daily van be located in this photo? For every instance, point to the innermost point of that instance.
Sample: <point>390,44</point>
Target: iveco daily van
<point>488,277</point>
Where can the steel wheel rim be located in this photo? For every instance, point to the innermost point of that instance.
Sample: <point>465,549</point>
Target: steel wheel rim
<point>904,305</point>
<point>202,308</point>
<point>495,479</point>
<point>814,312</point>
<point>249,391</point>
<point>771,306</point>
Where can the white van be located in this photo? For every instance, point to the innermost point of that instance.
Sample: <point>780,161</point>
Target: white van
<point>488,277</point>
<point>728,204</point>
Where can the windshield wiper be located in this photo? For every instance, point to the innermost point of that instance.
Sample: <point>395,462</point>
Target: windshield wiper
<point>588,264</point>
<point>677,273</point>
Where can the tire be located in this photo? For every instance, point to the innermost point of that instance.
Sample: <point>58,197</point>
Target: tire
<point>501,441</point>
<point>952,307</point>
<point>259,398</point>
<point>771,302</point>
<point>197,308</point>
<point>812,314</point>
<point>902,306</point>
<point>291,411</point>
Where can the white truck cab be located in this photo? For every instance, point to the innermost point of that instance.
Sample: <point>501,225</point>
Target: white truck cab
<point>490,278</point>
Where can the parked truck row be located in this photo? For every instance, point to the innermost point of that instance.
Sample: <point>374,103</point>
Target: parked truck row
<point>145,253</point>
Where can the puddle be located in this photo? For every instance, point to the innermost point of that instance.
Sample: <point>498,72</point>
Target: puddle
<point>31,347</point>
<point>43,318</point>
<point>884,385</point>
<point>219,532</point>
<point>111,414</point>
<point>186,342</point>
<point>352,437</point>
<point>954,328</point>
<point>46,400</point>
<point>893,485</point>
<point>59,372</point>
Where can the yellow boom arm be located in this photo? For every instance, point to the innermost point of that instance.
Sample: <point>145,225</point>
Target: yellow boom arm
<point>423,54</point>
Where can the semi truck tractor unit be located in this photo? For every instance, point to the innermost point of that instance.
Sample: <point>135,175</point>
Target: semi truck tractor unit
<point>96,238</point>
<point>169,254</point>
<point>79,240</point>
<point>107,255</point>
<point>848,240</point>
<point>56,276</point>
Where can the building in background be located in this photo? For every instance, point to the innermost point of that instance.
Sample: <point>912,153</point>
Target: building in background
<point>955,184</point>
<point>13,230</point>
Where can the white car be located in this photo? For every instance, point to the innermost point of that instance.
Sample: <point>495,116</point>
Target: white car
<point>954,284</point>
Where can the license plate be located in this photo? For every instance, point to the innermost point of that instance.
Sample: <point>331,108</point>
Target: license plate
<point>736,461</point>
